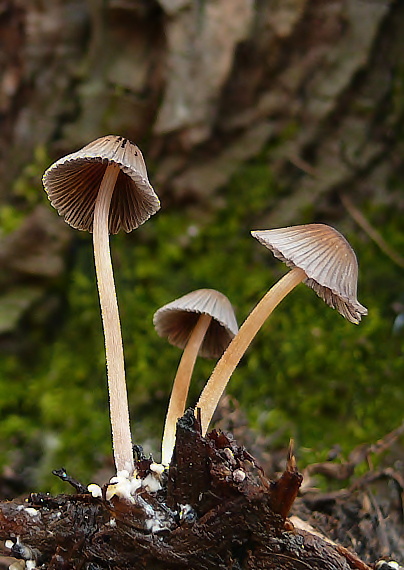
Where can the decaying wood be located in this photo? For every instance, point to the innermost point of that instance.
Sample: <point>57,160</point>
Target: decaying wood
<point>216,510</point>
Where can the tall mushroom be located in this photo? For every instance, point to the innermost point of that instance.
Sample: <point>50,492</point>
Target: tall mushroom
<point>103,188</point>
<point>319,256</point>
<point>201,322</point>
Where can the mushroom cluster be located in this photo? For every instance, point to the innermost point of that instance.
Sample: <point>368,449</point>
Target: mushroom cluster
<point>104,188</point>
<point>319,256</point>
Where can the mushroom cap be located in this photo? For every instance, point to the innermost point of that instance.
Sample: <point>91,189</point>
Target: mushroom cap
<point>72,185</point>
<point>176,321</point>
<point>327,259</point>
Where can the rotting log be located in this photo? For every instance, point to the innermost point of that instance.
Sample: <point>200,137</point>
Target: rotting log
<point>215,510</point>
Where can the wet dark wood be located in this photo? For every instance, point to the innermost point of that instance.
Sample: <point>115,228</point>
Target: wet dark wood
<point>216,510</point>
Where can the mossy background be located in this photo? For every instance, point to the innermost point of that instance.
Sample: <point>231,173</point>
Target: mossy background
<point>306,104</point>
<point>309,374</point>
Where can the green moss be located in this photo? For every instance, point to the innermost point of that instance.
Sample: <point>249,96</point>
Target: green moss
<point>25,186</point>
<point>14,304</point>
<point>24,193</point>
<point>10,218</point>
<point>309,374</point>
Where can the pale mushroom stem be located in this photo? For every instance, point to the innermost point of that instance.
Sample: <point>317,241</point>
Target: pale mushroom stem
<point>217,382</point>
<point>118,399</point>
<point>180,389</point>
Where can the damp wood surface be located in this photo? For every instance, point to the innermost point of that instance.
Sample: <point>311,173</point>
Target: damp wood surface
<point>216,509</point>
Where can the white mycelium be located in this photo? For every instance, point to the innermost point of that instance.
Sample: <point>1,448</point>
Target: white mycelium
<point>125,486</point>
<point>29,510</point>
<point>239,475</point>
<point>95,490</point>
<point>151,483</point>
<point>158,468</point>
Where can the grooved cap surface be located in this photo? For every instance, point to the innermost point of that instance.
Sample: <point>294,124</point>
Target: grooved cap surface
<point>176,321</point>
<point>73,181</point>
<point>327,259</point>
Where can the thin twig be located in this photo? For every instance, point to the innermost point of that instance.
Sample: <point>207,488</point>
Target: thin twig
<point>371,231</point>
<point>381,531</point>
<point>388,440</point>
<point>352,558</point>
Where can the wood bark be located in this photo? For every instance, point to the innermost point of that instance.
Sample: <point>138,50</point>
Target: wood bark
<point>312,87</point>
<point>216,510</point>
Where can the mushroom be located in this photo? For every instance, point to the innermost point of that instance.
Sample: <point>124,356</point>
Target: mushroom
<point>103,188</point>
<point>319,256</point>
<point>201,322</point>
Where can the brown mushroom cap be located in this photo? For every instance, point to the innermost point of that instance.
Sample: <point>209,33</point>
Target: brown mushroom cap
<point>327,259</point>
<point>72,185</point>
<point>176,321</point>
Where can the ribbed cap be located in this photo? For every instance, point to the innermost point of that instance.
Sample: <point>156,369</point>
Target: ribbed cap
<point>72,185</point>
<point>176,321</point>
<point>327,259</point>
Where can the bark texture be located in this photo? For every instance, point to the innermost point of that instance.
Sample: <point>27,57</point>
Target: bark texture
<point>216,510</point>
<point>209,85</point>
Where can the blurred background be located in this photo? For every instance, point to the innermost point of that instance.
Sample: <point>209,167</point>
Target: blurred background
<point>250,115</point>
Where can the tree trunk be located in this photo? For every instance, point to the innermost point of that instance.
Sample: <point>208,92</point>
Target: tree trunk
<point>209,85</point>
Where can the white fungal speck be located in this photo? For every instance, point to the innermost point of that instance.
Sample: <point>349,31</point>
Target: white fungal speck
<point>123,487</point>
<point>238,475</point>
<point>135,484</point>
<point>95,490</point>
<point>30,565</point>
<point>151,483</point>
<point>187,513</point>
<point>126,487</point>
<point>9,544</point>
<point>29,510</point>
<point>157,468</point>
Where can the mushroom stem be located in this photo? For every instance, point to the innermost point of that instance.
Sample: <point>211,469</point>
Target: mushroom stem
<point>118,399</point>
<point>220,376</point>
<point>180,389</point>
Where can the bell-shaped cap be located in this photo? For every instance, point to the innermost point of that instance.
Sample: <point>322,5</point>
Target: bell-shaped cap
<point>327,259</point>
<point>72,185</point>
<point>176,321</point>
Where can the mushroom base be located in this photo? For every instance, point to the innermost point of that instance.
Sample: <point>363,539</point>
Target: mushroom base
<point>215,510</point>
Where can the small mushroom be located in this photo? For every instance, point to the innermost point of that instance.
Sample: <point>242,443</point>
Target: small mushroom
<point>201,322</point>
<point>319,256</point>
<point>103,188</point>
